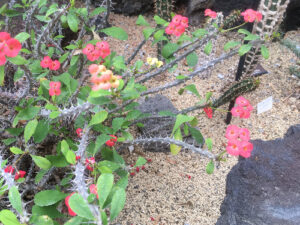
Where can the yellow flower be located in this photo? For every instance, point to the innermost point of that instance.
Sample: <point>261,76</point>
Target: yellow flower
<point>159,64</point>
<point>149,60</point>
<point>152,61</point>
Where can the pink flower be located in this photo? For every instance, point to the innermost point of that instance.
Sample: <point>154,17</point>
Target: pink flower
<point>232,132</point>
<point>55,84</point>
<point>245,114</point>
<point>170,28</point>
<point>179,30</point>
<point>210,13</point>
<point>9,169</point>
<point>246,149</point>
<point>94,55</point>
<point>4,36</point>
<point>45,63</point>
<point>104,52</point>
<point>89,163</point>
<point>251,15</point>
<point>237,111</point>
<point>54,65</point>
<point>244,134</point>
<point>241,101</point>
<point>104,86</point>
<point>177,20</point>
<point>79,132</point>
<point>93,190</point>
<point>20,174</point>
<point>12,47</point>
<point>233,147</point>
<point>88,49</point>
<point>102,45</point>
<point>2,58</point>
<point>94,69</point>
<point>184,22</point>
<point>209,112</point>
<point>71,212</point>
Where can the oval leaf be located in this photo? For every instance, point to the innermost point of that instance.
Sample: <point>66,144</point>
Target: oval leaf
<point>72,21</point>
<point>16,150</point>
<point>264,52</point>
<point>104,186</point>
<point>116,32</point>
<point>41,162</point>
<point>30,129</point>
<point>98,118</point>
<point>8,218</point>
<point>210,167</point>
<point>208,48</point>
<point>80,207</point>
<point>244,49</point>
<point>117,203</point>
<point>15,199</point>
<point>48,197</point>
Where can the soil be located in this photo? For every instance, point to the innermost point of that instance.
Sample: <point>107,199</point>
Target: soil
<point>176,189</point>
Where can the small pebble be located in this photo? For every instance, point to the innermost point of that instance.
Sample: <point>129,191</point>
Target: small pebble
<point>221,76</point>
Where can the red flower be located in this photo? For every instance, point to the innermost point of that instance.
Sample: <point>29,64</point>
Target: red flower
<point>20,174</point>
<point>45,63</point>
<point>54,88</point>
<point>71,212</point>
<point>209,112</point>
<point>111,142</point>
<point>4,36</point>
<point>143,167</point>
<point>2,58</point>
<point>79,132</point>
<point>132,173</point>
<point>93,190</point>
<point>89,163</point>
<point>251,15</point>
<point>210,13</point>
<point>137,169</point>
<point>12,47</point>
<point>9,169</point>
<point>149,160</point>
<point>177,25</point>
<point>77,157</point>
<point>88,49</point>
<point>54,65</point>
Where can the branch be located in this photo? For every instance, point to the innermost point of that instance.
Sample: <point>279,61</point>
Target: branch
<point>168,140</point>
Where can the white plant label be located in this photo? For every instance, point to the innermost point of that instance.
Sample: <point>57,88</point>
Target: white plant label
<point>265,105</point>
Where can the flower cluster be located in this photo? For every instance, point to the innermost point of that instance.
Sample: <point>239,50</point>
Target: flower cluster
<point>177,25</point>
<point>103,78</point>
<point>79,132</point>
<point>93,53</point>
<point>9,47</point>
<point>243,108</point>
<point>251,15</point>
<point>47,62</point>
<point>210,13</point>
<point>89,163</point>
<point>18,174</point>
<point>54,88</point>
<point>154,62</point>
<point>71,212</point>
<point>238,141</point>
<point>111,142</point>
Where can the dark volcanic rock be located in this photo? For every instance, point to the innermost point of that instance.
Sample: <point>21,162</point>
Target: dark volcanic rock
<point>265,189</point>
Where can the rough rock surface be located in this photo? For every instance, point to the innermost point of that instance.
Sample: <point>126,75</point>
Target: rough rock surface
<point>264,189</point>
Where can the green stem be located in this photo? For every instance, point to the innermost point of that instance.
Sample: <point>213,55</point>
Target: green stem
<point>230,29</point>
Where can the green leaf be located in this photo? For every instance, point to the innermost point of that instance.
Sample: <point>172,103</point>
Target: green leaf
<point>123,182</point>
<point>8,218</point>
<point>104,218</point>
<point>169,49</point>
<point>30,129</point>
<point>115,32</point>
<point>196,135</point>
<point>48,197</point>
<point>41,131</point>
<point>243,31</point>
<point>18,60</point>
<point>140,161</point>
<point>117,124</point>
<point>251,37</point>
<point>26,114</point>
<point>208,96</point>
<point>43,220</point>
<point>112,166</point>
<point>97,11</point>
<point>264,52</point>
<point>2,74</point>
<point>117,203</point>
<point>9,141</point>
<point>159,20</point>
<point>209,143</point>
<point>16,150</point>
<point>15,199</point>
<point>208,48</point>
<point>186,129</point>
<point>180,119</point>
<point>231,44</point>
<point>74,221</point>
<point>15,131</point>
<point>192,88</point>
<point>141,21</point>
<point>104,185</point>
<point>100,141</point>
<point>210,167</point>
<point>51,211</point>
<point>158,34</point>
<point>147,32</point>
<point>54,114</point>
<point>22,37</point>
<point>192,59</point>
<point>69,155</point>
<point>175,149</point>
<point>41,162</point>
<point>72,21</point>
<point>98,118</point>
<point>200,32</point>
<point>39,176</point>
<point>244,49</point>
<point>80,207</point>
